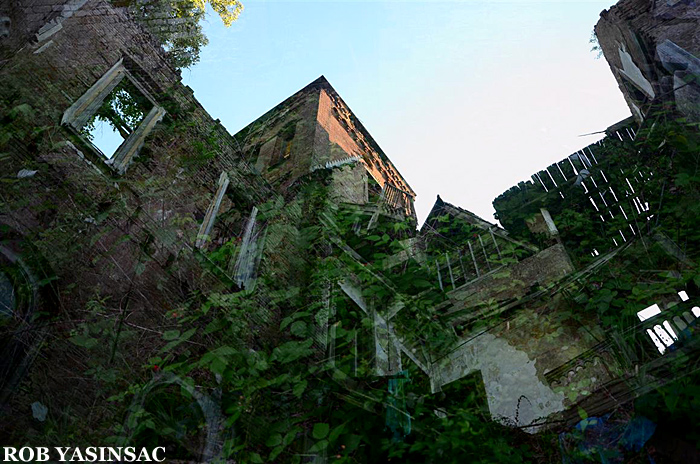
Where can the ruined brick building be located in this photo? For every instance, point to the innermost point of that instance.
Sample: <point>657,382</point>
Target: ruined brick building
<point>104,251</point>
<point>652,49</point>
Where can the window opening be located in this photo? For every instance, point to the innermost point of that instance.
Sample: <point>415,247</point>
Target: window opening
<point>117,118</point>
<point>679,323</point>
<point>659,346</point>
<point>670,331</point>
<point>114,117</point>
<point>649,312</point>
<point>212,211</point>
<point>663,335</point>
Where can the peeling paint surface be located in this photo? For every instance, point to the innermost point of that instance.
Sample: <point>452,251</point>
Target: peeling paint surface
<point>515,394</point>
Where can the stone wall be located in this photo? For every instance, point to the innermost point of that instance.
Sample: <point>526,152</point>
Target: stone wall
<point>653,49</point>
<point>126,240</point>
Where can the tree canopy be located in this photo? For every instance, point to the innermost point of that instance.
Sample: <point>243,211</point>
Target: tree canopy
<point>177,24</point>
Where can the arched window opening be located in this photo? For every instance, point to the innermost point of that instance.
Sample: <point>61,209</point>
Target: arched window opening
<point>669,330</point>
<point>679,323</point>
<point>668,341</point>
<point>659,346</point>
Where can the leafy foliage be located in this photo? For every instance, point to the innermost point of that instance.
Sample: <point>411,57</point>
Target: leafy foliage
<point>123,109</point>
<point>177,24</point>
<point>259,355</point>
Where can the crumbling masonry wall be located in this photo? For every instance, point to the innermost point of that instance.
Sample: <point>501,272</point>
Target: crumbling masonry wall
<point>653,49</point>
<point>125,240</point>
<point>314,129</point>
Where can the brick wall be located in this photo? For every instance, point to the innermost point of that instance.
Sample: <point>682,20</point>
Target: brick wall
<point>126,240</point>
<point>326,132</point>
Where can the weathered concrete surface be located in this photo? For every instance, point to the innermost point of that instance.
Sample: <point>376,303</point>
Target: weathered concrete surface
<point>541,354</point>
<point>515,393</point>
<point>349,184</point>
<point>526,362</point>
<point>686,76</point>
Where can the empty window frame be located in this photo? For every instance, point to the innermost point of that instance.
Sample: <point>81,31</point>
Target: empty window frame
<point>666,334</point>
<point>649,312</point>
<point>114,116</point>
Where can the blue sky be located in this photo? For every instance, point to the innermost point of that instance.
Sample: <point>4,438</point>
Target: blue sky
<point>466,98</point>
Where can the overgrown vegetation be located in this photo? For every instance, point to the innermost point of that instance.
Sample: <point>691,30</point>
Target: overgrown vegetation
<point>178,24</point>
<point>249,376</point>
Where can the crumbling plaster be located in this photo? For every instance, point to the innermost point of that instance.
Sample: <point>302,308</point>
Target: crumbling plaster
<point>515,393</point>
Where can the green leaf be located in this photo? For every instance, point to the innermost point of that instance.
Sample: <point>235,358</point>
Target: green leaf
<point>214,326</point>
<point>671,400</point>
<point>171,334</point>
<point>176,338</point>
<point>140,267</point>
<point>187,335</point>
<point>319,446</point>
<point>261,364</point>
<point>336,433</point>
<point>291,351</point>
<point>352,442</point>
<point>24,110</point>
<point>255,458</point>
<point>290,436</point>
<point>224,351</point>
<point>84,341</point>
<point>582,413</point>
<point>275,452</point>
<point>299,329</point>
<point>340,332</point>
<point>285,322</point>
<point>274,440</point>
<point>320,430</point>
<point>299,388</point>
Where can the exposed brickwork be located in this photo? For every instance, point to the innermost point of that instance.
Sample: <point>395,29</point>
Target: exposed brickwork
<point>127,239</point>
<point>324,131</point>
<point>344,130</point>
